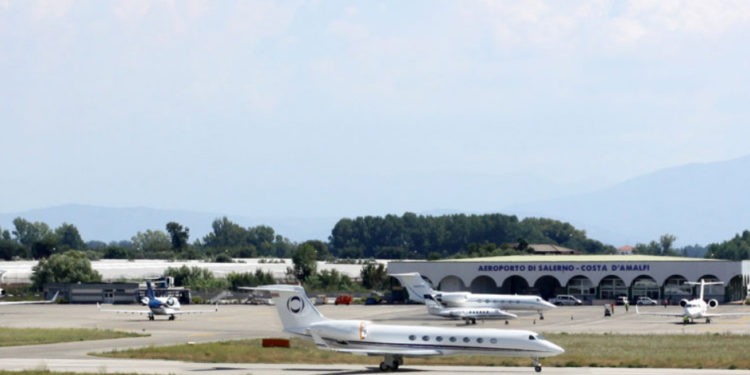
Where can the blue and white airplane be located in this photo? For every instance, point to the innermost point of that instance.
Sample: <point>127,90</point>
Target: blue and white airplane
<point>394,342</point>
<point>159,306</point>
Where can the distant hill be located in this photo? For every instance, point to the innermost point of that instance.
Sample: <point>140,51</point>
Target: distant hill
<point>114,224</point>
<point>697,203</point>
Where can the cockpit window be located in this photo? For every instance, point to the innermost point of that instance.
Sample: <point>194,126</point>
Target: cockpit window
<point>531,337</point>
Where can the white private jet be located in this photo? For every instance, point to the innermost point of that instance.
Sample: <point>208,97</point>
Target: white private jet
<point>51,300</point>
<point>468,314</point>
<point>418,288</point>
<point>695,308</point>
<point>158,306</point>
<point>394,342</point>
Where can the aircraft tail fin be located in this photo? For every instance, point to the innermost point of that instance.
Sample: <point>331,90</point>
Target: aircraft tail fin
<point>150,291</point>
<point>415,285</point>
<point>296,311</point>
<point>433,306</point>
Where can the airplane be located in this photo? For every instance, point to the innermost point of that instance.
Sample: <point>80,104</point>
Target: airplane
<point>418,288</point>
<point>158,306</point>
<point>695,308</point>
<point>394,342</point>
<point>468,314</point>
<point>36,302</point>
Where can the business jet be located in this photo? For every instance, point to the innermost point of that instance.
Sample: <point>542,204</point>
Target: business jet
<point>36,302</point>
<point>418,288</point>
<point>468,314</point>
<point>695,308</point>
<point>158,306</point>
<point>394,342</point>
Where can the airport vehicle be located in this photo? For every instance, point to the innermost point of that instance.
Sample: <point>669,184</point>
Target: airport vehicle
<point>394,342</point>
<point>695,308</point>
<point>158,306</point>
<point>565,299</point>
<point>644,300</point>
<point>418,288</point>
<point>468,314</point>
<point>51,300</point>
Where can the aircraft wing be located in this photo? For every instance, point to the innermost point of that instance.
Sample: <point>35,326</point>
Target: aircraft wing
<point>675,314</point>
<point>51,300</point>
<point>137,312</point>
<point>726,314</point>
<point>189,312</point>
<point>372,352</point>
<point>378,352</point>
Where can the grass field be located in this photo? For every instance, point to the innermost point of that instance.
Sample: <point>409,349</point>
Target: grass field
<point>37,336</point>
<point>721,351</point>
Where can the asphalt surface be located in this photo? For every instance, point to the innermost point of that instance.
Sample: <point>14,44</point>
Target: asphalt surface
<point>244,321</point>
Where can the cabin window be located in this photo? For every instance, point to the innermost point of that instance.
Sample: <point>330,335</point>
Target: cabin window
<point>453,339</point>
<point>480,340</point>
<point>466,339</point>
<point>425,338</point>
<point>493,340</point>
<point>439,338</point>
<point>412,337</point>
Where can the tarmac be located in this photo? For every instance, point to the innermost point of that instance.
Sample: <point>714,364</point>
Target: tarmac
<point>234,322</point>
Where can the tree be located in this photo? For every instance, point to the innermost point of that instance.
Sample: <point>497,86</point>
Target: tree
<point>68,267</point>
<point>27,232</point>
<point>374,276</point>
<point>151,242</point>
<point>305,264</point>
<point>69,238</point>
<point>179,235</point>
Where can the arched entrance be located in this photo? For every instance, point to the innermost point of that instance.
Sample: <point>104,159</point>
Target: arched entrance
<point>451,284</point>
<point>645,286</point>
<point>675,289</point>
<point>547,286</point>
<point>483,284</point>
<point>515,285</point>
<point>735,290</point>
<point>611,287</point>
<point>581,286</point>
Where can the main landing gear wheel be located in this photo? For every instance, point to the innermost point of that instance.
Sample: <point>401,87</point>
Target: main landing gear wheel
<point>171,317</point>
<point>391,363</point>
<point>538,368</point>
<point>150,316</point>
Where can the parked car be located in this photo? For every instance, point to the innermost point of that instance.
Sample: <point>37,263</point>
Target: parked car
<point>565,299</point>
<point>621,300</point>
<point>643,300</point>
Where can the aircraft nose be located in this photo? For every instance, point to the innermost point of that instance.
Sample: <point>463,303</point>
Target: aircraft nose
<point>548,304</point>
<point>554,349</point>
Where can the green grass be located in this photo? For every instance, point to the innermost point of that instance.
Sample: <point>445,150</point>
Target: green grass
<point>721,351</point>
<point>37,336</point>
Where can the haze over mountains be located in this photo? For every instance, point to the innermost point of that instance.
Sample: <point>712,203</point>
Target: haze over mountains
<point>697,203</point>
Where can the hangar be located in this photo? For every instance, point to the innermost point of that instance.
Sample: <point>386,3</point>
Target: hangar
<point>589,277</point>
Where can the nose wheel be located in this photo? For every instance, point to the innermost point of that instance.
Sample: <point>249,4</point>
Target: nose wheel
<point>537,365</point>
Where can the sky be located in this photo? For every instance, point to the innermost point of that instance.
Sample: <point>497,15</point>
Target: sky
<point>340,108</point>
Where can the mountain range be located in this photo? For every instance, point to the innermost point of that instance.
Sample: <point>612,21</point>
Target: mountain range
<point>697,203</point>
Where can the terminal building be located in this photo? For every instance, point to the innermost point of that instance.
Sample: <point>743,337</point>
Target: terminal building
<point>589,277</point>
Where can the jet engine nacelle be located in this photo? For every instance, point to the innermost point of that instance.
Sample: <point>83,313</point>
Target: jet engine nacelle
<point>683,302</point>
<point>144,301</point>
<point>452,299</point>
<point>171,301</point>
<point>713,303</point>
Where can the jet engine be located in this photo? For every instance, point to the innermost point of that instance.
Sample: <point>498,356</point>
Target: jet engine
<point>171,301</point>
<point>713,303</point>
<point>683,302</point>
<point>144,301</point>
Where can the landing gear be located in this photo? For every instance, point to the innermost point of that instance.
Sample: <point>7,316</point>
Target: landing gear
<point>391,363</point>
<point>470,321</point>
<point>708,320</point>
<point>150,316</point>
<point>541,316</point>
<point>171,317</point>
<point>537,365</point>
